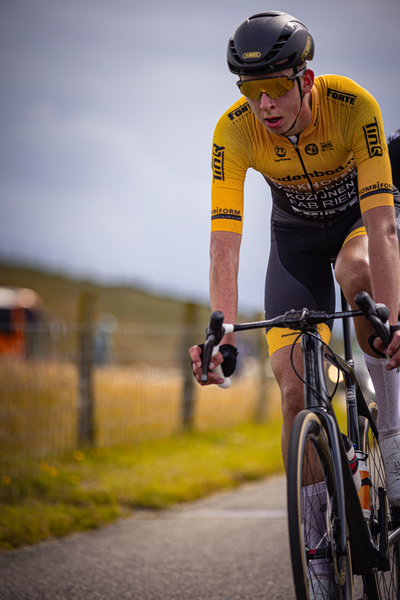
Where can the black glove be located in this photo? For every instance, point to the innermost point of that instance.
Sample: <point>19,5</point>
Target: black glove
<point>373,337</point>
<point>229,354</point>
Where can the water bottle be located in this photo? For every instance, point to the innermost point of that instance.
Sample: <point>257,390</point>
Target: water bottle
<point>353,461</point>
<point>364,493</point>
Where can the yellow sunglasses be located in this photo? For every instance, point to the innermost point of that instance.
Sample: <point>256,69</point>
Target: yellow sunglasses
<point>275,87</point>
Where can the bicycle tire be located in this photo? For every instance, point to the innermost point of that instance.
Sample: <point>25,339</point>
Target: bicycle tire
<point>318,570</point>
<point>388,581</point>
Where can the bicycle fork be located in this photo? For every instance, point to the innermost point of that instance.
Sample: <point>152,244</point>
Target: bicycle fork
<point>316,398</point>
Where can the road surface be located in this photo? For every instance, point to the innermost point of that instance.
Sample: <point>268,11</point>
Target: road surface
<point>232,546</point>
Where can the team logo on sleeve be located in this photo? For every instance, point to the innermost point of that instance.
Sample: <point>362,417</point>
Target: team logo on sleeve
<point>239,112</point>
<point>218,162</point>
<point>373,138</point>
<point>342,97</point>
<point>376,188</point>
<point>226,213</point>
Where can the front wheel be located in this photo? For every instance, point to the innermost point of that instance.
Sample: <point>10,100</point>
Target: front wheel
<point>320,570</point>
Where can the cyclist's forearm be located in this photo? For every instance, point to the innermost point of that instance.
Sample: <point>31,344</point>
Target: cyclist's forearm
<point>386,290</point>
<point>224,268</point>
<point>224,297</point>
<point>385,270</point>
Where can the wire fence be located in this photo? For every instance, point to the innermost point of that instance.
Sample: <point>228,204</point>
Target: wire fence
<point>65,386</point>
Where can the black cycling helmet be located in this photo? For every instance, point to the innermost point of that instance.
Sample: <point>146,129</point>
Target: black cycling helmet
<point>268,42</point>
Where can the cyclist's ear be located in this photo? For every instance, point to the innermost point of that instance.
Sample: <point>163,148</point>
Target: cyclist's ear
<point>307,81</point>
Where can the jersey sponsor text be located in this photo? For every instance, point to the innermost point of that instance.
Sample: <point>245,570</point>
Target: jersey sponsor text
<point>341,96</point>
<point>234,114</point>
<point>373,138</point>
<point>218,162</point>
<point>225,213</point>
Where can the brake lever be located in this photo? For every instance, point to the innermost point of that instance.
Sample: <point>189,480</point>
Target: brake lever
<point>215,333</point>
<point>377,315</point>
<point>208,351</point>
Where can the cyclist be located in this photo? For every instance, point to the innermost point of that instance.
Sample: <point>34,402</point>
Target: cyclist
<point>394,154</point>
<point>319,144</point>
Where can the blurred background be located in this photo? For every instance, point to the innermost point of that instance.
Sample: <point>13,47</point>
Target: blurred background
<point>108,112</point>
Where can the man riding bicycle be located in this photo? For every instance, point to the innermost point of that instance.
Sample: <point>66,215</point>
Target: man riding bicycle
<point>320,145</point>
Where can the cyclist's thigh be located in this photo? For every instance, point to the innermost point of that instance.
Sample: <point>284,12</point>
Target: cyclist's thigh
<point>282,367</point>
<point>355,247</point>
<point>299,271</point>
<point>357,228</point>
<point>299,276</point>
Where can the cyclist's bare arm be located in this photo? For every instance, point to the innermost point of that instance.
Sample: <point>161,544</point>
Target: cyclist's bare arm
<point>384,268</point>
<point>224,269</point>
<point>224,257</point>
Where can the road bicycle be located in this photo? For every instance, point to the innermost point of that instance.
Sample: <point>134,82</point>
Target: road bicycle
<point>338,535</point>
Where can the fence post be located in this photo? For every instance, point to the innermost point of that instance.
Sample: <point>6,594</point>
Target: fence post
<point>190,320</point>
<point>86,429</point>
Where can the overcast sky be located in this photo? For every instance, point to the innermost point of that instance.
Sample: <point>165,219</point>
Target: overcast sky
<point>108,111</point>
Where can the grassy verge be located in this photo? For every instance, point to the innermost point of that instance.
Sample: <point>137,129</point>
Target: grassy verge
<point>84,490</point>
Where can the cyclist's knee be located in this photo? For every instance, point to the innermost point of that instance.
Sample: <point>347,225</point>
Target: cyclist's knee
<point>353,276</point>
<point>292,399</point>
<point>352,266</point>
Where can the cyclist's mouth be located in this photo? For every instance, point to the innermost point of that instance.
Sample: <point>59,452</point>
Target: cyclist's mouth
<point>273,121</point>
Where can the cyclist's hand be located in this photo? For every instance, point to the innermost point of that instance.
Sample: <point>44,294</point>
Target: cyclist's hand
<point>195,354</point>
<point>392,351</point>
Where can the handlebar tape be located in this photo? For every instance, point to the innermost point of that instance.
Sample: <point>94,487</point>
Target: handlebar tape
<point>218,370</point>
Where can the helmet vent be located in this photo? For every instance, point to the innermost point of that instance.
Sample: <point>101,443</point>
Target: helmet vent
<point>277,47</point>
<point>233,49</point>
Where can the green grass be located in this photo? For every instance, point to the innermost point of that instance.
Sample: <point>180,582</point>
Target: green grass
<point>85,490</point>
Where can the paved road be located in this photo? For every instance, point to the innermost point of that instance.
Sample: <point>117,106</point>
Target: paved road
<point>232,546</point>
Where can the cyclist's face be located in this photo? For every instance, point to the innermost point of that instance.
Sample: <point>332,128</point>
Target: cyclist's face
<point>278,114</point>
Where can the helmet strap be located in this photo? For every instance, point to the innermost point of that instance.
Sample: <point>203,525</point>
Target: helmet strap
<point>301,103</point>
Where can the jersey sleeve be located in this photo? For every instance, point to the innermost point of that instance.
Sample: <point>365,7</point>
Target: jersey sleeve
<point>232,155</point>
<point>365,133</point>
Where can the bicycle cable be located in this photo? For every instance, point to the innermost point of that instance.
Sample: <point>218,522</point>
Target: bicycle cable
<point>314,390</point>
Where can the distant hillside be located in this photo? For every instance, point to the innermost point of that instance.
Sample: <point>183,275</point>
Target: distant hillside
<point>61,296</point>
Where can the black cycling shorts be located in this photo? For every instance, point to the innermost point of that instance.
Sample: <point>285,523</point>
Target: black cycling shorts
<point>299,273</point>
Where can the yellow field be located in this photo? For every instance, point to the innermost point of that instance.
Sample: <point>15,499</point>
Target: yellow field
<point>39,406</point>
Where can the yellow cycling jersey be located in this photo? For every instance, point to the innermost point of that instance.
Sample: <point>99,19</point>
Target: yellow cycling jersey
<point>340,160</point>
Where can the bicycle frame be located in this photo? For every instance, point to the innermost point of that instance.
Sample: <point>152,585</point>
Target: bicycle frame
<point>355,401</point>
<point>365,557</point>
<point>367,560</point>
<point>317,399</point>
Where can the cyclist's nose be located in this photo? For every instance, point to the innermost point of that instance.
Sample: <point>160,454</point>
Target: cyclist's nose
<point>266,101</point>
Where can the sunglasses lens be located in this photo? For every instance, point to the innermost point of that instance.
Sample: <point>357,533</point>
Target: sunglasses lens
<point>275,87</point>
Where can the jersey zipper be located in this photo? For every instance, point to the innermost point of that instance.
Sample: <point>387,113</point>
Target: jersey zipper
<point>324,216</point>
